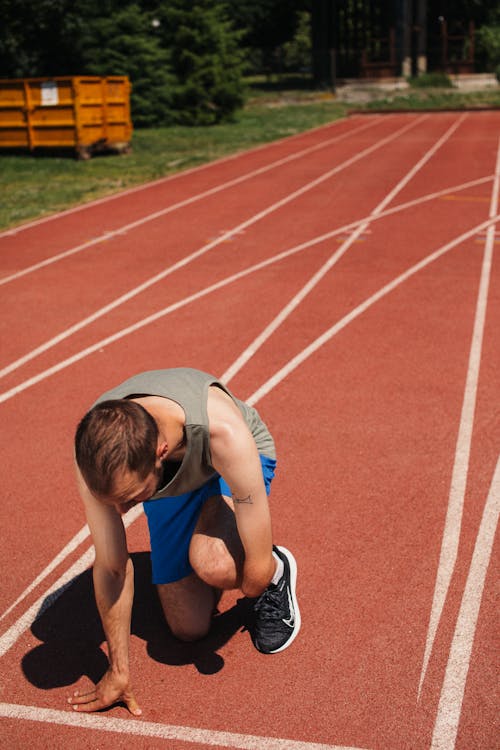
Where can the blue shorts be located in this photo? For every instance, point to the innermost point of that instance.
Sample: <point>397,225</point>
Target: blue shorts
<point>172,521</point>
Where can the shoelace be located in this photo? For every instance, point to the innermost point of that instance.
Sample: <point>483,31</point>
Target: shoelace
<point>270,604</point>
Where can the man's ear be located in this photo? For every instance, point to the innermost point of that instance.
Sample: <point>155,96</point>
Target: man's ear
<point>162,450</point>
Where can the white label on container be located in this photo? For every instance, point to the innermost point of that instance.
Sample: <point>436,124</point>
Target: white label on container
<point>50,93</point>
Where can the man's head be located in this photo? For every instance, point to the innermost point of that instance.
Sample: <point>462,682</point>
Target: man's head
<point>116,439</point>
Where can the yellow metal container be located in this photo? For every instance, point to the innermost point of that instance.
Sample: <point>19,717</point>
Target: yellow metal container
<point>86,113</point>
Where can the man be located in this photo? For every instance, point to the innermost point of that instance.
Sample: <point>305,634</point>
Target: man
<point>202,462</point>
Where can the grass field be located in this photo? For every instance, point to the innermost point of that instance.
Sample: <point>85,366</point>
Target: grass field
<point>432,98</point>
<point>33,186</point>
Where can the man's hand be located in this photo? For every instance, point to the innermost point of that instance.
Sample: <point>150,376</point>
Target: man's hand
<point>111,689</point>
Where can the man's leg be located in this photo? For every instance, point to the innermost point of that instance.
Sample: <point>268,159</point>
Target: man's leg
<point>216,555</point>
<point>188,606</point>
<point>216,552</point>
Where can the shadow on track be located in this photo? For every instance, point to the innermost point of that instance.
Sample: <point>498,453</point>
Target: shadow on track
<point>71,633</point>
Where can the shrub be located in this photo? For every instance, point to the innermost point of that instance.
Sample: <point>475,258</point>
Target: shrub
<point>431,80</point>
<point>124,43</point>
<point>206,60</point>
<point>488,38</point>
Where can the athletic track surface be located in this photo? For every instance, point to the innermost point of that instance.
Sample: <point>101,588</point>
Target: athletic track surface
<point>345,281</point>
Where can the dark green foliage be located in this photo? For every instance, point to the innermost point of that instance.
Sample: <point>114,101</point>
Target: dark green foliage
<point>297,53</point>
<point>183,57</point>
<point>488,38</point>
<point>38,40</point>
<point>206,60</point>
<point>267,25</point>
<point>431,80</point>
<point>125,43</point>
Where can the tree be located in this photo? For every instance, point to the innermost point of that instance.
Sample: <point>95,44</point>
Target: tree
<point>297,53</point>
<point>125,43</point>
<point>37,39</point>
<point>206,60</point>
<point>183,57</point>
<point>489,41</point>
<point>266,25</point>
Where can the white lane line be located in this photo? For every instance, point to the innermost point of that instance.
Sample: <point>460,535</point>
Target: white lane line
<point>83,533</point>
<point>171,177</point>
<point>160,731</point>
<point>453,521</point>
<point>59,558</point>
<point>293,363</point>
<point>201,251</point>
<point>259,340</point>
<point>457,668</point>
<point>12,634</point>
<point>6,395</point>
<point>181,204</point>
<point>256,344</point>
<point>10,637</point>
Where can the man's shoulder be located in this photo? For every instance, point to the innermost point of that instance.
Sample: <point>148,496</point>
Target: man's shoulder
<point>222,410</point>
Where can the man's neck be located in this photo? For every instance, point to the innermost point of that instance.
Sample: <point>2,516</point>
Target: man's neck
<point>170,420</point>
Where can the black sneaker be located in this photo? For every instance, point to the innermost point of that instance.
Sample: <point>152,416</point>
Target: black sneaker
<point>277,616</point>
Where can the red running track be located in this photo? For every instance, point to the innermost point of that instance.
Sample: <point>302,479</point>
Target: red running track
<point>347,281</point>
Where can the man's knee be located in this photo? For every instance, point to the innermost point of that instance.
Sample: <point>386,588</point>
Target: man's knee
<point>191,632</point>
<point>212,562</point>
<point>188,606</point>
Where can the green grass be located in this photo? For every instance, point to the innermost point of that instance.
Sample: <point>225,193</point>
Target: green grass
<point>436,98</point>
<point>431,80</point>
<point>34,186</point>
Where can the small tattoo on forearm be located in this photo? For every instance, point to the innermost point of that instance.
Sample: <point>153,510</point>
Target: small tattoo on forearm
<point>248,499</point>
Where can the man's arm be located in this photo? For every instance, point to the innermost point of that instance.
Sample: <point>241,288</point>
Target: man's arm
<point>235,457</point>
<point>114,590</point>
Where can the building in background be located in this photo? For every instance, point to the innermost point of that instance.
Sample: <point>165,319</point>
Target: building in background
<point>366,39</point>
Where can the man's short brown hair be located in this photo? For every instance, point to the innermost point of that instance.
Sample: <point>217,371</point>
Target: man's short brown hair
<point>113,436</point>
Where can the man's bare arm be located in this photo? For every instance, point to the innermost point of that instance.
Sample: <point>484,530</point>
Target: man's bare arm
<point>114,590</point>
<point>235,456</point>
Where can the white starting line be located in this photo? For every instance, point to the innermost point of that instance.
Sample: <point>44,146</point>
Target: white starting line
<point>159,731</point>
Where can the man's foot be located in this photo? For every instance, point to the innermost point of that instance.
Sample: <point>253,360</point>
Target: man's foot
<point>277,616</point>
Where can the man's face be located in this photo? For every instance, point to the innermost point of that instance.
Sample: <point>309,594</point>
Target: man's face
<point>130,490</point>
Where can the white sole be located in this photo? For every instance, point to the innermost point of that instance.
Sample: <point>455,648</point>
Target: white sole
<point>293,584</point>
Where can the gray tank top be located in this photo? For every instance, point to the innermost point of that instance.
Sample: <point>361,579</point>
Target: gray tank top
<point>189,389</point>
